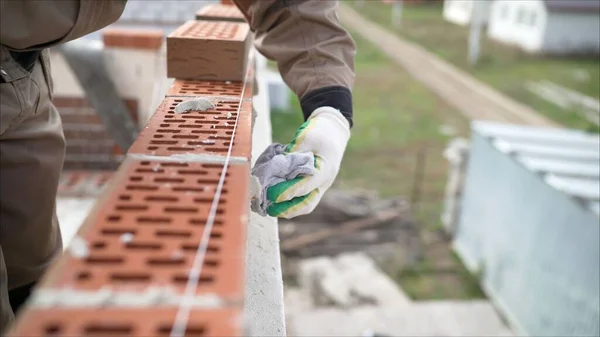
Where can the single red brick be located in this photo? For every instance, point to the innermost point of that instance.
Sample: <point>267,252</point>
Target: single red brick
<point>220,12</point>
<point>68,105</point>
<point>125,322</point>
<point>79,118</point>
<point>209,50</point>
<point>196,132</point>
<point>133,38</point>
<point>91,148</point>
<point>148,223</point>
<point>70,101</point>
<point>195,88</point>
<point>89,132</point>
<point>82,183</point>
<point>91,162</point>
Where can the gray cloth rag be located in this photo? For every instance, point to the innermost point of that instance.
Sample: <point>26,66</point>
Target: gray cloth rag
<point>273,167</point>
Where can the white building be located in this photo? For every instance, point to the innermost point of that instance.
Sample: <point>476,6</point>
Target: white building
<point>547,26</point>
<point>461,11</point>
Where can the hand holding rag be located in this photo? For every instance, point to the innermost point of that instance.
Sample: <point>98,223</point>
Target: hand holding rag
<point>294,177</point>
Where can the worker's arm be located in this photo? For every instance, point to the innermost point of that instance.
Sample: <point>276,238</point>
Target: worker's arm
<point>315,57</point>
<point>314,54</point>
<point>34,25</point>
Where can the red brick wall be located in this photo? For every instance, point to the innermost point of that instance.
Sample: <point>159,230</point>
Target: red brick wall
<point>89,145</point>
<point>129,267</point>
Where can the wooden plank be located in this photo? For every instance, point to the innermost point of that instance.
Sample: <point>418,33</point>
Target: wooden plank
<point>346,227</point>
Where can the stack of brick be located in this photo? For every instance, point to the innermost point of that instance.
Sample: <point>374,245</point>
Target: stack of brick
<point>89,144</point>
<point>128,270</point>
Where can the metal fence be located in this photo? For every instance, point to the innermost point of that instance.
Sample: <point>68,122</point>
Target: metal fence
<point>529,226</point>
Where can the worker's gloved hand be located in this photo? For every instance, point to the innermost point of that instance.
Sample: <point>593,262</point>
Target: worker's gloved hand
<point>325,134</point>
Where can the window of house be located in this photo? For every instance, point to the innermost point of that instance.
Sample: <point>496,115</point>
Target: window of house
<point>521,16</point>
<point>532,18</point>
<point>504,11</point>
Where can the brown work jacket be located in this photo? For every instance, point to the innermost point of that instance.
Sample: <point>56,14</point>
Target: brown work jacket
<point>314,54</point>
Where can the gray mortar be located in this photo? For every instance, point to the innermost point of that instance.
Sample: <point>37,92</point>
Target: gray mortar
<point>189,157</point>
<point>107,297</point>
<point>200,104</point>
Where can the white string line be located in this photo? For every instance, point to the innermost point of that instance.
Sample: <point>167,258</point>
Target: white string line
<point>183,312</point>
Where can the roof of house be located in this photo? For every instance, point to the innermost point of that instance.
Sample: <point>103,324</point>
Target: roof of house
<point>573,5</point>
<point>567,160</point>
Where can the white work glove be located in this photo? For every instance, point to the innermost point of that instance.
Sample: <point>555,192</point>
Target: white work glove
<point>325,134</point>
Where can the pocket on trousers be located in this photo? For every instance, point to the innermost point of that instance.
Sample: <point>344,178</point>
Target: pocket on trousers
<point>19,100</point>
<point>11,109</point>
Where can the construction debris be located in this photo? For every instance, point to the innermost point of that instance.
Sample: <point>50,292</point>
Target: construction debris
<point>352,221</point>
<point>351,279</point>
<point>435,318</point>
<point>348,295</point>
<point>346,227</point>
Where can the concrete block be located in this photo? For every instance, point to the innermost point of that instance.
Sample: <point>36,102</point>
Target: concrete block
<point>367,283</point>
<point>334,289</point>
<point>349,280</point>
<point>264,306</point>
<point>320,277</point>
<point>322,280</point>
<point>309,269</point>
<point>296,300</point>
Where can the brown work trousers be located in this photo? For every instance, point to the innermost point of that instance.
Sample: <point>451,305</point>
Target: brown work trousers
<point>32,150</point>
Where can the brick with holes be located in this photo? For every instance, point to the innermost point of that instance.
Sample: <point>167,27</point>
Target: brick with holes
<point>220,12</point>
<point>148,39</point>
<point>89,144</point>
<point>197,132</point>
<point>193,88</point>
<point>233,89</point>
<point>80,183</point>
<point>125,322</point>
<point>147,226</point>
<point>209,50</point>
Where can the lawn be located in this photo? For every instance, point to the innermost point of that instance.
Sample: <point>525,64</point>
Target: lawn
<point>503,67</point>
<point>395,117</point>
<point>397,120</point>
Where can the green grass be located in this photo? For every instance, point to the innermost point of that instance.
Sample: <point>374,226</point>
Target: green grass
<point>503,67</point>
<point>396,117</point>
<point>428,280</point>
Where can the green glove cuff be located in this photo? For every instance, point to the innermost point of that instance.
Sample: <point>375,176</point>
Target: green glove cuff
<point>279,209</point>
<point>274,193</point>
<point>299,132</point>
